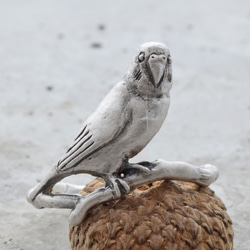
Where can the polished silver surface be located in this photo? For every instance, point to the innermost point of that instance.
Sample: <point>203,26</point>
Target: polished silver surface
<point>123,124</point>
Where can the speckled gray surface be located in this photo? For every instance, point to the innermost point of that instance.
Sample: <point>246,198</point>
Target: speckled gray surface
<point>60,58</point>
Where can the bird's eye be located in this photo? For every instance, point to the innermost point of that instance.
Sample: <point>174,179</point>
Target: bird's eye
<point>141,57</point>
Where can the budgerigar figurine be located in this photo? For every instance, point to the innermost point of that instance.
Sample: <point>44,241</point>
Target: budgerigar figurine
<point>123,124</point>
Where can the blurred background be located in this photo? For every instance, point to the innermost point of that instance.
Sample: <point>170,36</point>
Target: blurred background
<point>59,59</point>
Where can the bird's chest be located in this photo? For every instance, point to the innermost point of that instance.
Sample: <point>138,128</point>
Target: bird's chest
<point>148,115</point>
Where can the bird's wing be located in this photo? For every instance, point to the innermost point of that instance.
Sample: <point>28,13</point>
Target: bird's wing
<point>103,126</point>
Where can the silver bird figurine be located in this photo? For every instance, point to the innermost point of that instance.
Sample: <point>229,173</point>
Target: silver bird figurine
<point>123,124</point>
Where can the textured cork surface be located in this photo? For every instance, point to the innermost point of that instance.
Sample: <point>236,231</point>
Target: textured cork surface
<point>164,215</point>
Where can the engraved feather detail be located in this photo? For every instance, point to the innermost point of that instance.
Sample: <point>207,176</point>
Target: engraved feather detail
<point>138,75</point>
<point>82,143</point>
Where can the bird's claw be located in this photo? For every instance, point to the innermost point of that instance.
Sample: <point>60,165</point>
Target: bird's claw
<point>119,187</point>
<point>142,166</point>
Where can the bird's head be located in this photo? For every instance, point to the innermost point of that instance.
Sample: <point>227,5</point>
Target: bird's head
<point>151,68</point>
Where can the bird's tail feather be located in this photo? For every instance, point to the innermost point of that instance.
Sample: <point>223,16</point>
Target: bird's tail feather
<point>46,185</point>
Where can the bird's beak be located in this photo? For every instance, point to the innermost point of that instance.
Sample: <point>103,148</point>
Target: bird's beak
<point>156,67</point>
